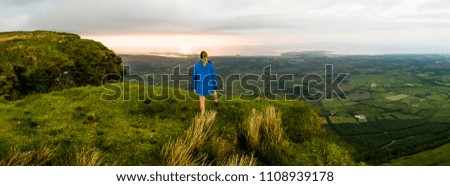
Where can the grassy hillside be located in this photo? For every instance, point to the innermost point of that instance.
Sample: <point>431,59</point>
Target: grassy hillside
<point>74,127</point>
<point>42,61</point>
<point>440,156</point>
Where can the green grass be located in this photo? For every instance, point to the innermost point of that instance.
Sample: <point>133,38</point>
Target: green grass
<point>440,156</point>
<point>80,129</point>
<point>126,132</point>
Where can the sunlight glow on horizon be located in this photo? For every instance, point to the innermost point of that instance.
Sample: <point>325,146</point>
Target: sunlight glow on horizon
<point>184,49</point>
<point>185,44</point>
<point>236,28</point>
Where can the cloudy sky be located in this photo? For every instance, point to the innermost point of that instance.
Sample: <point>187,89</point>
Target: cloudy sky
<point>251,27</point>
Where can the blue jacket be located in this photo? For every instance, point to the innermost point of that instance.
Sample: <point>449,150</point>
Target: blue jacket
<point>204,80</point>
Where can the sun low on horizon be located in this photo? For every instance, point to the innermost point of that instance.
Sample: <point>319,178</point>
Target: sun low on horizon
<point>185,49</point>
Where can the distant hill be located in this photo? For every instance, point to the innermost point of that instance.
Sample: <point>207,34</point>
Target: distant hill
<point>41,61</point>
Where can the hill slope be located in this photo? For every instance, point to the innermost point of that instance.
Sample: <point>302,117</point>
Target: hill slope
<point>42,61</point>
<point>439,156</point>
<point>74,127</point>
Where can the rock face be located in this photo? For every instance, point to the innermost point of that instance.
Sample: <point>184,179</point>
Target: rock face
<point>42,61</point>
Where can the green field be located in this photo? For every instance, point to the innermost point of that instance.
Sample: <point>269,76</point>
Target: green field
<point>336,103</point>
<point>440,156</point>
<point>339,119</point>
<point>385,140</point>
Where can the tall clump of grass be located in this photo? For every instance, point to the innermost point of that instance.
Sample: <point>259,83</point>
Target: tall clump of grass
<point>240,160</point>
<point>185,150</point>
<point>86,157</point>
<point>262,133</point>
<point>250,130</point>
<point>271,127</point>
<point>38,157</point>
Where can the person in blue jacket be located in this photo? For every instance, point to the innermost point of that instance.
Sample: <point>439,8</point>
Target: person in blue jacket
<point>204,80</point>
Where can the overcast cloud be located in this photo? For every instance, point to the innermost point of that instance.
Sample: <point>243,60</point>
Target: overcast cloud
<point>375,26</point>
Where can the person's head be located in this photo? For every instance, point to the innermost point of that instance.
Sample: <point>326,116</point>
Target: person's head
<point>203,55</point>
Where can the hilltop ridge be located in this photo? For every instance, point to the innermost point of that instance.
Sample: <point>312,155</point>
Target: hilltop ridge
<point>42,61</point>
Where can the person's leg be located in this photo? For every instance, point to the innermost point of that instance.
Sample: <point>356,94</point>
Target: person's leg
<point>202,104</point>
<point>216,101</point>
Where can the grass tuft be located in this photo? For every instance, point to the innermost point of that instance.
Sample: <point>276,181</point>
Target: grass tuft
<point>250,130</point>
<point>37,157</point>
<point>86,157</point>
<point>185,150</point>
<point>240,160</point>
<point>262,133</point>
<point>273,131</point>
<point>181,153</point>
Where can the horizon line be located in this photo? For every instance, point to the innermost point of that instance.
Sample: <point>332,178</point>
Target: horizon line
<point>280,54</point>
